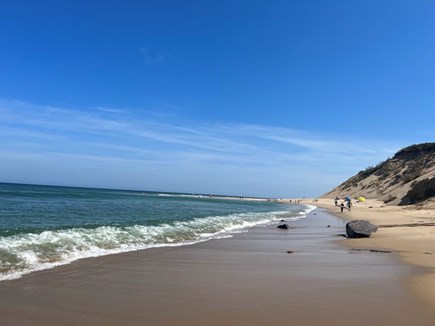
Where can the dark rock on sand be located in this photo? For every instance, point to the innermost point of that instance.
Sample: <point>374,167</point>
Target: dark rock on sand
<point>360,229</point>
<point>290,251</point>
<point>283,226</point>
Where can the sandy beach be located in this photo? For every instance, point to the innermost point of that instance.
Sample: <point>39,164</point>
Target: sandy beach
<point>407,231</point>
<point>249,279</point>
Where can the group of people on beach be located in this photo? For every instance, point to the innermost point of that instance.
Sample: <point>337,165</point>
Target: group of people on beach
<point>348,204</point>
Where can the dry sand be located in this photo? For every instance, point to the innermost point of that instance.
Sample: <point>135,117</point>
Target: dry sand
<point>249,279</point>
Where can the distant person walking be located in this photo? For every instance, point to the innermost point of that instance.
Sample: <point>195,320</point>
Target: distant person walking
<point>341,207</point>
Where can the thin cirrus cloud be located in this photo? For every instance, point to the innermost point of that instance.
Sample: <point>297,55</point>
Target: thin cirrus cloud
<point>151,58</point>
<point>218,155</point>
<point>111,110</point>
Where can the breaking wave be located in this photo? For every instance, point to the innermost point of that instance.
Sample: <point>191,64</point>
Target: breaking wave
<point>25,252</point>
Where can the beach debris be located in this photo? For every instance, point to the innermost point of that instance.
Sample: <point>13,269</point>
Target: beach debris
<point>374,250</point>
<point>283,226</point>
<point>290,251</point>
<point>381,251</point>
<point>282,221</point>
<point>360,229</point>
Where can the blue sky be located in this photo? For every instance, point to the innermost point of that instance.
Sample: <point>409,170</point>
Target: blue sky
<point>254,98</point>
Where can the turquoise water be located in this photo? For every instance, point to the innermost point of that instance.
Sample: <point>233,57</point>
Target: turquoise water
<point>45,226</point>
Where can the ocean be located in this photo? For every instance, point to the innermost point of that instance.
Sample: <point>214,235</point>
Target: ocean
<point>46,226</point>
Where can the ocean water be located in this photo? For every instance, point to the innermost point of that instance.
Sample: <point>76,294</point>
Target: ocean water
<point>45,226</point>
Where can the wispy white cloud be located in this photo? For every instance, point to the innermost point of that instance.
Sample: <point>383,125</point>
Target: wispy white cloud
<point>111,110</point>
<point>152,58</point>
<point>20,132</point>
<point>172,153</point>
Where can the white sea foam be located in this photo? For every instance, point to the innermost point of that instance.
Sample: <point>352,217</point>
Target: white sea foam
<point>309,209</point>
<point>24,253</point>
<point>181,195</point>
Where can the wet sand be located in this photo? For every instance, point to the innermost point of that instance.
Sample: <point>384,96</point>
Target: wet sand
<point>408,231</point>
<point>249,279</point>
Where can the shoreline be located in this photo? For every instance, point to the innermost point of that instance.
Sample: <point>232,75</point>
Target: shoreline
<point>248,279</point>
